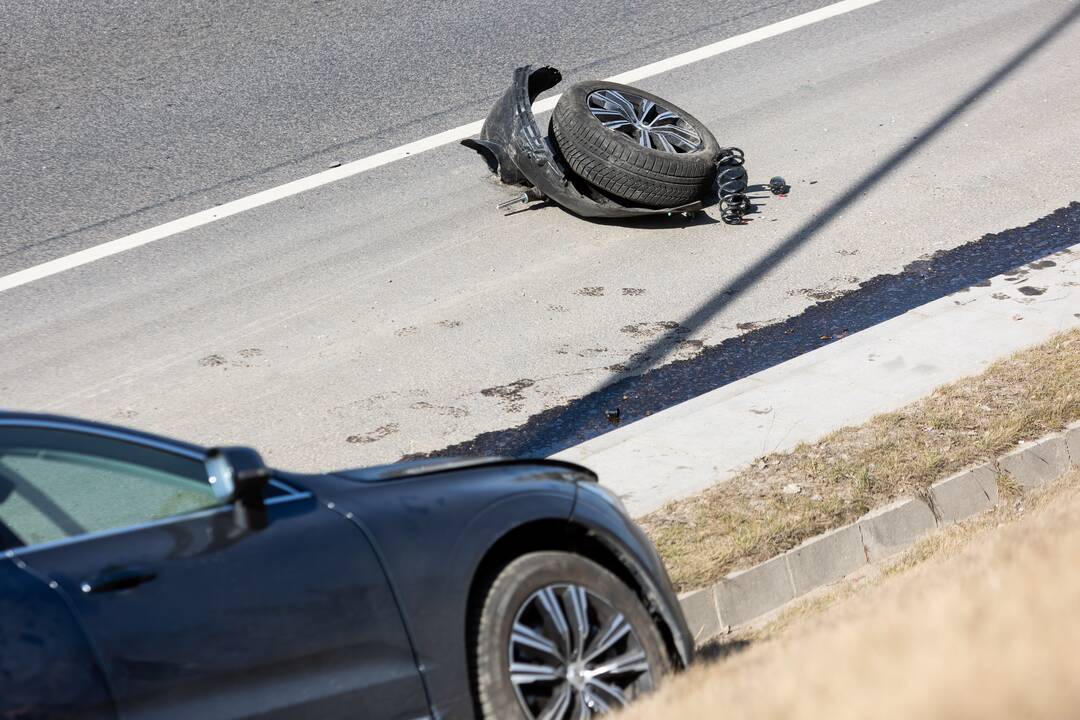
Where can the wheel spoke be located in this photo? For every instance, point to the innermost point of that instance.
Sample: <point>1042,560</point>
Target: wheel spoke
<point>644,139</point>
<point>579,609</point>
<point>615,124</point>
<point>524,635</point>
<point>609,107</point>
<point>676,139</point>
<point>614,631</point>
<point>595,702</point>
<point>633,661</point>
<point>677,130</point>
<point>628,107</point>
<point>662,141</point>
<point>558,705</point>
<point>553,609</point>
<point>526,673</point>
<point>583,710</point>
<point>610,690</point>
<point>646,107</point>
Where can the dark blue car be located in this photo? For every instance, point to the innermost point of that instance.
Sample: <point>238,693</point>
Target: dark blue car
<point>147,578</point>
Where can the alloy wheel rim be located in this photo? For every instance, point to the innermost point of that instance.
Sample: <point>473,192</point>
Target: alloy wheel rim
<point>652,125</point>
<point>572,655</point>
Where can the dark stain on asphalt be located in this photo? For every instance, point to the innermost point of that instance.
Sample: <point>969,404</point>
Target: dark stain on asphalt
<point>373,436</point>
<point>214,360</point>
<point>820,295</point>
<point>590,291</point>
<point>649,329</point>
<point>874,301</point>
<point>635,362</point>
<point>1040,264</point>
<point>633,291</point>
<point>511,395</point>
<point>689,348</point>
<point>1029,290</point>
<point>447,410</point>
<point>1000,296</point>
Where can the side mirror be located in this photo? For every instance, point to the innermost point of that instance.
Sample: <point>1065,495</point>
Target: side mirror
<point>239,475</point>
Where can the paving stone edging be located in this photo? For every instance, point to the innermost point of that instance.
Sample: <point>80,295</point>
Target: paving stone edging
<point>744,596</point>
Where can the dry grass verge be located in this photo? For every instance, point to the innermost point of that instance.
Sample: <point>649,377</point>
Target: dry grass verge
<point>751,518</point>
<point>978,621</point>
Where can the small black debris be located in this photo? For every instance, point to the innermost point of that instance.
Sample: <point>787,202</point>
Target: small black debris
<point>778,186</point>
<point>613,416</point>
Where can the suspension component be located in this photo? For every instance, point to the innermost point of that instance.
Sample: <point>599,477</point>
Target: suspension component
<point>530,195</point>
<point>734,207</point>
<point>731,185</point>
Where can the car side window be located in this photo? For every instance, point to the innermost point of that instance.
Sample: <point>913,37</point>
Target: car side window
<point>56,484</point>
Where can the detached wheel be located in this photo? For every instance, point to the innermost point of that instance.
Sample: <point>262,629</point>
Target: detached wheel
<point>634,145</point>
<point>561,637</point>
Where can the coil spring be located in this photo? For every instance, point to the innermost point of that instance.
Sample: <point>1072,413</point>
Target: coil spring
<point>731,184</point>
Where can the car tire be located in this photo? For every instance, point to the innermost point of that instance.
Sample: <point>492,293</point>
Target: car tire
<point>615,159</point>
<point>518,634</point>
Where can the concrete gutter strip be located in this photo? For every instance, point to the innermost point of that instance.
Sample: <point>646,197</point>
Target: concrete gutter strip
<point>750,594</point>
<point>689,447</point>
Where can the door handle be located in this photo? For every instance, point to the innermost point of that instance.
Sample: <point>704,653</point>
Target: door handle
<point>112,580</point>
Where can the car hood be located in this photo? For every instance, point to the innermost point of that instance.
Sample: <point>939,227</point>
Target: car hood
<point>431,466</point>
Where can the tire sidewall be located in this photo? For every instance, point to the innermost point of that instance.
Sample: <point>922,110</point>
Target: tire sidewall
<point>514,585</point>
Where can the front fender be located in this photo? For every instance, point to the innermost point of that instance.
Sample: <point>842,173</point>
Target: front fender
<point>431,533</point>
<point>595,512</point>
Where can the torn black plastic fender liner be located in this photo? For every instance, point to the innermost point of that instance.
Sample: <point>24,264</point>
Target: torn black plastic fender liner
<point>515,149</point>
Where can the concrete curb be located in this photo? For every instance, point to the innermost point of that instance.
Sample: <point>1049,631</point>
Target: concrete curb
<point>744,596</point>
<point>694,445</point>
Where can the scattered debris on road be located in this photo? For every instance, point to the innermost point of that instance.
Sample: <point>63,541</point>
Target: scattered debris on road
<point>613,151</point>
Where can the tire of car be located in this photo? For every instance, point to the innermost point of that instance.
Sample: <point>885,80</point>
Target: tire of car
<point>600,137</point>
<point>604,652</point>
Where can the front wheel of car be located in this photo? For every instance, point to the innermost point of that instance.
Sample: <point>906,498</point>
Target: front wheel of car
<point>562,637</point>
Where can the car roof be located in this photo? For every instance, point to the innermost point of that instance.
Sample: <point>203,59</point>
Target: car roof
<point>61,422</point>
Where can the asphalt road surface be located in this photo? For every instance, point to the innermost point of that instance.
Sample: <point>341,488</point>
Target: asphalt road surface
<point>397,311</point>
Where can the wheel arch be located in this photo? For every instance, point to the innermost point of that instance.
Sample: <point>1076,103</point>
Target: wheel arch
<point>565,536</point>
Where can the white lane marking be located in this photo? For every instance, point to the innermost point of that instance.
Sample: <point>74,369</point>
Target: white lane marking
<point>204,217</point>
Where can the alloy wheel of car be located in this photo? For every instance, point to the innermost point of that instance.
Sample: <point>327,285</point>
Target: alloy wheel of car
<point>560,637</point>
<point>634,145</point>
<point>648,122</point>
<point>573,655</point>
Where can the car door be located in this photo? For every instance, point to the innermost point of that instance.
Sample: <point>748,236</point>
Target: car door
<point>191,615</point>
<point>47,667</point>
